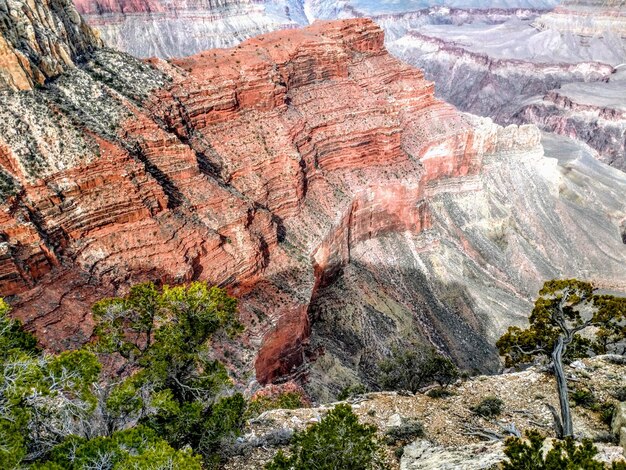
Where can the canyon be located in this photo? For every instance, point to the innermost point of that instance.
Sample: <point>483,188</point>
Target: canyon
<point>309,172</point>
<point>531,67</point>
<point>507,60</point>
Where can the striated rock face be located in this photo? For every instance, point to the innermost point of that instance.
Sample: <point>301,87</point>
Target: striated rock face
<point>586,18</point>
<point>39,40</point>
<point>490,61</point>
<point>577,111</point>
<point>313,175</point>
<point>166,28</point>
<point>512,68</point>
<point>175,28</point>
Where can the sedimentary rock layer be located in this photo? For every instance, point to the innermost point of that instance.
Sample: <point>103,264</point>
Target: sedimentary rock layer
<point>507,69</point>
<point>166,28</point>
<point>40,40</point>
<point>313,175</point>
<point>586,18</point>
<point>592,113</point>
<point>175,28</point>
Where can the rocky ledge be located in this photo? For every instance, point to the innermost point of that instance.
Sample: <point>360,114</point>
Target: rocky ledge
<point>589,112</point>
<point>589,18</point>
<point>496,65</point>
<point>454,437</point>
<point>166,28</point>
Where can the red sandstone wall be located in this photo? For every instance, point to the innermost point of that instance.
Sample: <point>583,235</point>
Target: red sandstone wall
<point>256,167</point>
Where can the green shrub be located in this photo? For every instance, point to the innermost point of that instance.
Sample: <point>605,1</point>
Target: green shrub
<point>164,335</point>
<point>138,448</point>
<point>407,431</point>
<point>620,393</point>
<point>12,336</point>
<point>489,407</point>
<point>351,391</point>
<point>527,454</point>
<point>606,412</point>
<point>583,398</point>
<point>411,370</point>
<point>43,397</point>
<point>337,442</point>
<point>439,392</point>
<point>59,411</point>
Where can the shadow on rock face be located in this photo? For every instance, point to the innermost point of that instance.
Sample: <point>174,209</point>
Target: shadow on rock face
<point>366,310</point>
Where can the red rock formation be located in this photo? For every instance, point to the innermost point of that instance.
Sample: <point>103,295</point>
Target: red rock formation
<point>292,119</point>
<point>258,168</point>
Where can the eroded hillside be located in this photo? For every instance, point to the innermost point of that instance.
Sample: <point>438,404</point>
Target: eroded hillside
<point>312,174</point>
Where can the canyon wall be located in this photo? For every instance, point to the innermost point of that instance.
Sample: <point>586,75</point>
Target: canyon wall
<point>586,18</point>
<point>39,40</point>
<point>177,28</point>
<point>165,28</point>
<point>511,69</point>
<point>577,110</point>
<point>313,175</point>
<point>498,61</point>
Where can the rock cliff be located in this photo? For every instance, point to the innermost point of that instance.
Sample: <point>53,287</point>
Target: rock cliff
<point>39,40</point>
<point>313,175</point>
<point>175,28</point>
<point>580,112</point>
<point>488,61</point>
<point>586,18</point>
<point>165,28</point>
<point>509,66</point>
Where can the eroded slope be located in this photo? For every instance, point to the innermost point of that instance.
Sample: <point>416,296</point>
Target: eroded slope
<point>315,176</point>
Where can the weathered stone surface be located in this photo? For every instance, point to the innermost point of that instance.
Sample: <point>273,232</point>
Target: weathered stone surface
<point>39,40</point>
<point>586,18</point>
<point>446,444</point>
<point>618,424</point>
<point>592,113</point>
<point>560,70</point>
<point>422,455</point>
<point>504,60</point>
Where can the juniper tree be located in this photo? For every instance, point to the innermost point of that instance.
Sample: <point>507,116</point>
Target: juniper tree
<point>44,398</point>
<point>177,387</point>
<point>563,311</point>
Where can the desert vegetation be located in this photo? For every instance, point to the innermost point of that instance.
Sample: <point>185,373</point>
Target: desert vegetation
<point>147,394</point>
<point>563,312</point>
<point>149,391</point>
<point>489,407</point>
<point>531,453</point>
<point>338,442</point>
<point>412,369</point>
